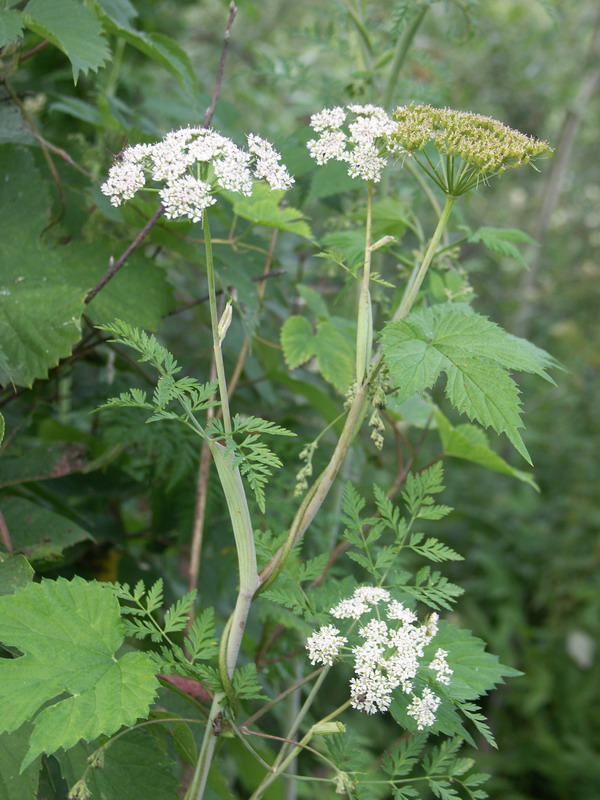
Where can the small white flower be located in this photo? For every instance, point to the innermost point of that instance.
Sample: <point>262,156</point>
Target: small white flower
<point>367,657</point>
<point>371,694</point>
<point>371,594</point>
<point>349,609</point>
<point>125,178</point>
<point>267,163</point>
<point>364,146</point>
<point>422,709</point>
<point>440,664</point>
<point>328,118</point>
<point>330,145</point>
<point>186,197</point>
<point>324,645</point>
<point>184,156</point>
<point>375,631</point>
<point>364,162</point>
<point>396,610</point>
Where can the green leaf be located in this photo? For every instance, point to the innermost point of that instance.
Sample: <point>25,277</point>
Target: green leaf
<point>500,240</point>
<point>41,462</point>
<point>330,179</point>
<point>246,685</point>
<point>11,26</point>
<point>15,573</point>
<point>350,245</point>
<point>40,534</point>
<point>72,28</point>
<point>118,16</point>
<point>263,208</point>
<point>476,356</point>
<point>403,757</point>
<point>40,308</point>
<point>314,301</point>
<point>135,765</point>
<point>335,355</point>
<point>476,672</point>
<point>69,632</point>
<point>297,340</point>
<point>13,784</point>
<point>139,293</point>
<point>2,428</point>
<point>470,443</point>
<point>200,642</point>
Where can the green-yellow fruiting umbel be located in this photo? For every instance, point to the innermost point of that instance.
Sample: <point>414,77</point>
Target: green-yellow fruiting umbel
<point>473,148</point>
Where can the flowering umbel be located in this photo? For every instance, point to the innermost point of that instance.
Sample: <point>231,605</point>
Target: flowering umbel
<point>192,164</point>
<point>388,654</point>
<point>362,146</point>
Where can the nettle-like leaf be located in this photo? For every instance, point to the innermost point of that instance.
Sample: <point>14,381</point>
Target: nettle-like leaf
<point>69,632</point>
<point>39,533</point>
<point>11,26</point>
<point>118,18</point>
<point>476,672</point>
<point>334,352</point>
<point>136,765</point>
<point>297,341</point>
<point>72,28</point>
<point>264,208</point>
<point>502,241</point>
<point>470,443</point>
<point>476,355</point>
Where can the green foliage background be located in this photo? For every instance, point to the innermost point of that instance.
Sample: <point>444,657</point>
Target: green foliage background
<point>116,498</point>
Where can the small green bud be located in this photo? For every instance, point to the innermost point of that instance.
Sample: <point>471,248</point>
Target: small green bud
<point>79,792</point>
<point>328,728</point>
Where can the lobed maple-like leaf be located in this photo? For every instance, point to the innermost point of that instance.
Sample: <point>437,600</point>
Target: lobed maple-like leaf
<point>68,633</point>
<point>476,355</point>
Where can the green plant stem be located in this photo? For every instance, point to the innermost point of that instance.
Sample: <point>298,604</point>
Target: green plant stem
<point>414,284</point>
<point>364,325</point>
<point>317,493</point>
<point>403,45</point>
<point>300,716</point>
<point>214,323</point>
<point>280,767</point>
<point>363,35</point>
<point>237,505</point>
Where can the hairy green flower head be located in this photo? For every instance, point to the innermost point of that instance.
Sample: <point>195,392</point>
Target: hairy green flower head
<point>484,146</point>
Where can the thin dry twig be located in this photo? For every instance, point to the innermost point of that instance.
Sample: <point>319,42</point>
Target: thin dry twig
<point>115,266</point>
<point>219,78</point>
<point>4,534</point>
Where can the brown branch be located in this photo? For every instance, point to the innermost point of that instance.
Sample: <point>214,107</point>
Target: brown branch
<point>219,79</point>
<point>115,266</point>
<point>261,711</point>
<point>33,50</point>
<point>4,534</point>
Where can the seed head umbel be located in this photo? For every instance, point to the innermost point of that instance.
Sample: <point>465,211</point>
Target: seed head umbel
<point>482,147</point>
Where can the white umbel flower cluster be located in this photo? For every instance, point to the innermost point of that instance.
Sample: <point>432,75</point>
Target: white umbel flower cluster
<point>363,144</point>
<point>389,653</point>
<point>194,163</point>
<point>325,645</point>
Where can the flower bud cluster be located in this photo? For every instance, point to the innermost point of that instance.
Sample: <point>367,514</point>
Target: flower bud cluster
<point>193,163</point>
<point>361,145</point>
<point>488,145</point>
<point>388,655</point>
